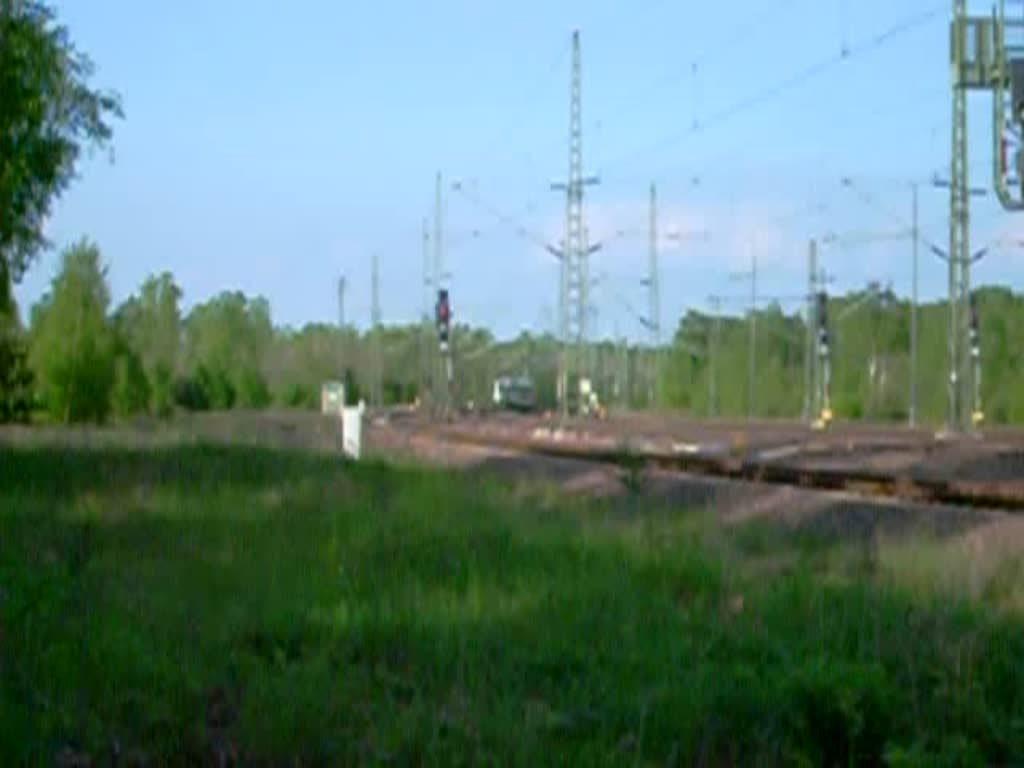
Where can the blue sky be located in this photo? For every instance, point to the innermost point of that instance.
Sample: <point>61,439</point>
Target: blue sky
<point>269,148</point>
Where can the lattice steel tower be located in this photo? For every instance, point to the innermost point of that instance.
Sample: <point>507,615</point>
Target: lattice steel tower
<point>574,253</point>
<point>986,54</point>
<point>653,283</point>
<point>426,345</point>
<point>959,238</point>
<point>342,285</point>
<point>375,330</point>
<point>441,370</point>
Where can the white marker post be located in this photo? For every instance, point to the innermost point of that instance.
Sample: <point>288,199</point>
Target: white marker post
<point>352,430</point>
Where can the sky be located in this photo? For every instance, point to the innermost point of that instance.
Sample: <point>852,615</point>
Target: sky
<point>271,147</point>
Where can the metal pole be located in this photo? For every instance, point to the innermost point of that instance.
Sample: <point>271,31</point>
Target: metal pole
<point>341,326</point>
<point>959,223</point>
<point>810,357</point>
<point>654,296</point>
<point>914,235</point>
<point>440,369</point>
<point>751,406</point>
<point>425,345</point>
<point>375,330</point>
<point>341,301</point>
<point>713,362</point>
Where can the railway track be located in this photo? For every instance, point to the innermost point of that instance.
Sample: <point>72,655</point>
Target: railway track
<point>872,461</point>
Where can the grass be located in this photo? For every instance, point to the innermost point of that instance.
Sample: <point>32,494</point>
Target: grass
<point>184,605</point>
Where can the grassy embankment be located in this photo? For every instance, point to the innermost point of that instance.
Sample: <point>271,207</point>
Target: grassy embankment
<point>189,602</point>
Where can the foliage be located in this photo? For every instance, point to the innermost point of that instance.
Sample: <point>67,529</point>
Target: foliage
<point>352,392</point>
<point>226,353</point>
<point>252,389</point>
<point>16,378</point>
<point>870,360</point>
<point>404,616</point>
<point>150,325</point>
<point>131,392</point>
<point>189,394</point>
<point>73,344</point>
<point>227,340</point>
<point>49,114</point>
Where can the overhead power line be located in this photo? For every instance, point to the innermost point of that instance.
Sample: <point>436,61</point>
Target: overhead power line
<point>872,202</point>
<point>741,33</point>
<point>791,82</point>
<point>698,173</point>
<point>510,221</point>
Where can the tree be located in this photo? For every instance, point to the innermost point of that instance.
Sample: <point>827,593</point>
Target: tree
<point>131,392</point>
<point>15,379</point>
<point>299,361</point>
<point>72,341</point>
<point>15,375</point>
<point>49,114</point>
<point>150,327</point>
<point>228,339</point>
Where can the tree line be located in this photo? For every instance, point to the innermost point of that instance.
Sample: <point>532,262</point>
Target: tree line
<point>81,359</point>
<point>708,367</point>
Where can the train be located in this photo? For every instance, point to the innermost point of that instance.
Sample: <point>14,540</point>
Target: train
<point>514,393</point>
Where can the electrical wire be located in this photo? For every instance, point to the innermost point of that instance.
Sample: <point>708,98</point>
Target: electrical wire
<point>872,202</point>
<point>535,92</point>
<point>698,174</point>
<point>740,34</point>
<point>505,219</point>
<point>791,82</point>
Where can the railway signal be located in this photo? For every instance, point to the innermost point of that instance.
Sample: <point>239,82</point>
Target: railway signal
<point>443,313</point>
<point>444,316</point>
<point>823,321</point>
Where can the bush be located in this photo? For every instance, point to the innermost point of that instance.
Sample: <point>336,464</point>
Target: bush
<point>300,396</point>
<point>131,388</point>
<point>190,395</point>
<point>15,380</point>
<point>162,391</point>
<point>352,392</point>
<point>217,387</point>
<point>253,391</point>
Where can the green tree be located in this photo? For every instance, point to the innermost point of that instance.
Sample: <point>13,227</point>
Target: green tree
<point>299,361</point>
<point>228,341</point>
<point>72,341</point>
<point>15,375</point>
<point>49,114</point>
<point>131,393</point>
<point>150,326</point>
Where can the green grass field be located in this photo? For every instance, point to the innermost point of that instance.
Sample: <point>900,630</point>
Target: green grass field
<point>182,605</point>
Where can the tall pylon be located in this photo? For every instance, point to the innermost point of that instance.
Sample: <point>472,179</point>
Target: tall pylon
<point>574,253</point>
<point>426,347</point>
<point>377,362</point>
<point>438,265</point>
<point>715,345</point>
<point>752,374</point>
<point>915,237</point>
<point>653,283</point>
<point>342,285</point>
<point>960,375</point>
<point>810,352</point>
<point>440,369</point>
